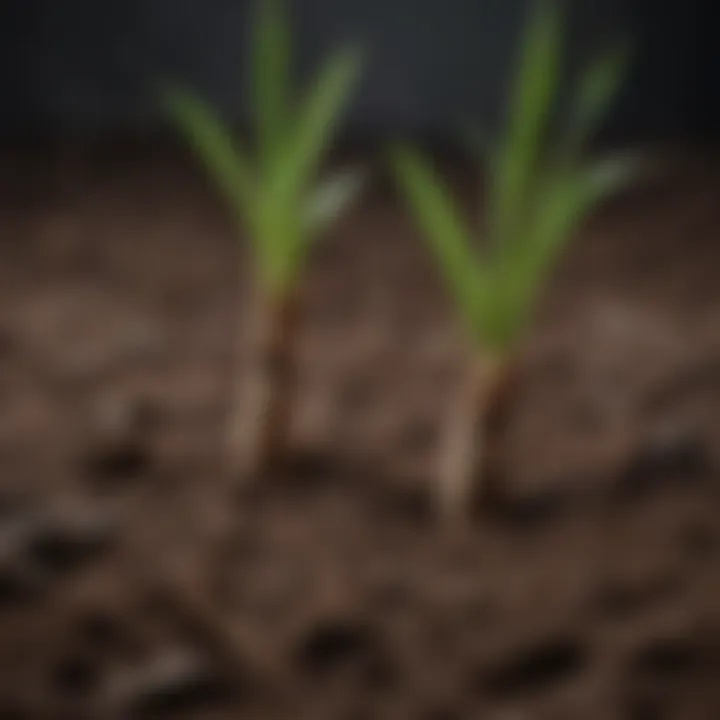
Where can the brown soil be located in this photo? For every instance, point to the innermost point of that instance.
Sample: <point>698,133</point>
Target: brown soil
<point>134,582</point>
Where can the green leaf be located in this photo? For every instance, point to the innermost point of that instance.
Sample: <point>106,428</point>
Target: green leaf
<point>311,137</point>
<point>569,197</point>
<point>572,196</point>
<point>537,198</point>
<point>276,197</point>
<point>598,87</point>
<point>214,145</point>
<point>529,115</point>
<point>328,200</point>
<point>448,237</point>
<point>271,78</point>
<point>279,249</point>
<point>292,148</point>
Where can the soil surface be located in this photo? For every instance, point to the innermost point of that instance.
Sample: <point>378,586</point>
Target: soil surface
<point>136,581</point>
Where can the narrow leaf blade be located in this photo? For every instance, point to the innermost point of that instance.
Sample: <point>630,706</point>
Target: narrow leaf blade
<point>529,115</point>
<point>598,87</point>
<point>570,197</point>
<point>271,77</point>
<point>447,236</point>
<point>573,196</point>
<point>215,147</point>
<point>319,118</point>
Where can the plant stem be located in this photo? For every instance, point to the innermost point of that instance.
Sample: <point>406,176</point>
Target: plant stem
<point>477,419</point>
<point>261,427</point>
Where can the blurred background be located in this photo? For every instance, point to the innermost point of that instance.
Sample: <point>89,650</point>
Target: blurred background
<point>87,67</point>
<point>134,582</point>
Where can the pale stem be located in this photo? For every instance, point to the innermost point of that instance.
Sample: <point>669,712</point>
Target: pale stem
<point>473,425</point>
<point>262,415</point>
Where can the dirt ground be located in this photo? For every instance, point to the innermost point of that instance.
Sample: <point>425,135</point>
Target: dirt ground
<point>135,582</point>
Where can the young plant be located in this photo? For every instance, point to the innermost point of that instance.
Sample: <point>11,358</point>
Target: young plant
<point>275,197</point>
<point>536,200</point>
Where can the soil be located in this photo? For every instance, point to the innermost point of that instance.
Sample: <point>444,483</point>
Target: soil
<point>137,581</point>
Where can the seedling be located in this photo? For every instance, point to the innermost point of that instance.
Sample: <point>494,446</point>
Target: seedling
<point>275,197</point>
<point>536,200</point>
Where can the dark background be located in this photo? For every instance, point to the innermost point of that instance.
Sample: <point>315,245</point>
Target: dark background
<point>85,65</point>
